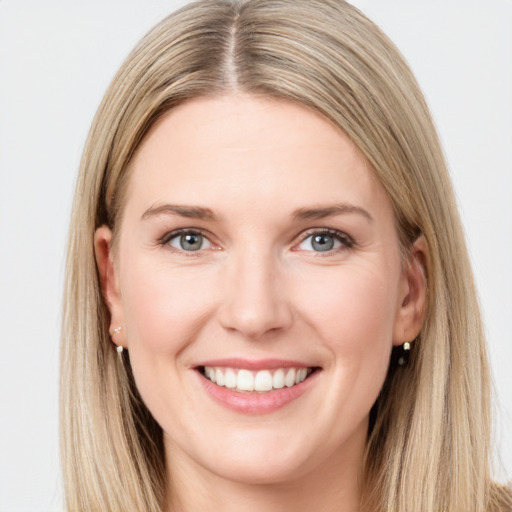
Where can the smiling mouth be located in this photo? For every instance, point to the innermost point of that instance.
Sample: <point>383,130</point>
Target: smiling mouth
<point>261,381</point>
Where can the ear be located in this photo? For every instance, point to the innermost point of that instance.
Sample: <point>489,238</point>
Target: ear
<point>110,283</point>
<point>413,294</point>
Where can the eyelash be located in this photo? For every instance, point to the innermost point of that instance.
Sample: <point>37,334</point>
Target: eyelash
<point>346,241</point>
<point>164,241</point>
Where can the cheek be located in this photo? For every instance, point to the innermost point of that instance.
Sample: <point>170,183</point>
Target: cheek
<point>164,306</point>
<point>164,311</point>
<point>353,308</point>
<point>353,313</point>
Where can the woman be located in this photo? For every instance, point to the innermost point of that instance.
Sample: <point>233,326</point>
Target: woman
<point>269,301</point>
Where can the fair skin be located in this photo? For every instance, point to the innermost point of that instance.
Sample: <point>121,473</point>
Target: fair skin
<point>287,257</point>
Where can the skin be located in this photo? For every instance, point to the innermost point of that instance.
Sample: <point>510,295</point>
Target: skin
<point>257,288</point>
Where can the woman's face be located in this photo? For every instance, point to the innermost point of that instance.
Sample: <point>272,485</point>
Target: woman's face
<point>256,250</point>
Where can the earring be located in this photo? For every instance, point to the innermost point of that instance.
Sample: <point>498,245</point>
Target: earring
<point>115,331</point>
<point>403,358</point>
<point>119,348</point>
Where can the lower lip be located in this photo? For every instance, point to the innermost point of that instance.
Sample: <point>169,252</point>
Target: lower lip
<point>254,402</point>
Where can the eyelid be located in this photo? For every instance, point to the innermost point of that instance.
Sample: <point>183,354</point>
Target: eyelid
<point>167,237</point>
<point>346,240</point>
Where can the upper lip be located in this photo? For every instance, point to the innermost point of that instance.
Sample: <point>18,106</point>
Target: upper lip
<point>253,364</point>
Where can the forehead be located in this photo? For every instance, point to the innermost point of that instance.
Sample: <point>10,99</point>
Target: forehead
<point>224,149</point>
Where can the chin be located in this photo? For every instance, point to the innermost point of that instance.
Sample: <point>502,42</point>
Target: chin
<point>258,456</point>
<point>262,469</point>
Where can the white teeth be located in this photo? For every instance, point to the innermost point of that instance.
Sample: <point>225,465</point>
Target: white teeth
<point>210,373</point>
<point>289,380</point>
<point>278,379</point>
<point>263,380</point>
<point>245,381</point>
<point>230,379</point>
<point>302,373</point>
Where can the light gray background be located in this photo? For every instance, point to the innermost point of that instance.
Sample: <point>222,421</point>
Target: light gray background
<point>56,59</point>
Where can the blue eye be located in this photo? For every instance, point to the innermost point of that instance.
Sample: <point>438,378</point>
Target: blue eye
<point>189,241</point>
<point>324,242</point>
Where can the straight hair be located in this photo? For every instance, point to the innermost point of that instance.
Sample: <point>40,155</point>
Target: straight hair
<point>428,447</point>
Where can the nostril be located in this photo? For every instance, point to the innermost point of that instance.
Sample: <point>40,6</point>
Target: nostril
<point>256,318</point>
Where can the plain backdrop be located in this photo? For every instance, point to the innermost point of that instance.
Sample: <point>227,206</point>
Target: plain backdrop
<point>56,59</point>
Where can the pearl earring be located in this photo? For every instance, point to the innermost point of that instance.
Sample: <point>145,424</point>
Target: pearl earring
<point>404,357</point>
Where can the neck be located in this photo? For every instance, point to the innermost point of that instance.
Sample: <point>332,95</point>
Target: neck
<point>332,487</point>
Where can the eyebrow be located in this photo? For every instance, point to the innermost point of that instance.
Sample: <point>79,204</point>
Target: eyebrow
<point>199,212</point>
<point>190,212</point>
<point>330,211</point>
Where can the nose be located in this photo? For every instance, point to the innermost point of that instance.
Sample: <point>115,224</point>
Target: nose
<point>255,302</point>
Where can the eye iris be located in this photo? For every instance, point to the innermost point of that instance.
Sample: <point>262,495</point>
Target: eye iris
<point>191,241</point>
<point>322,242</point>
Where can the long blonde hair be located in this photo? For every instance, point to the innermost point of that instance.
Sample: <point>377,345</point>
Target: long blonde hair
<point>428,448</point>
